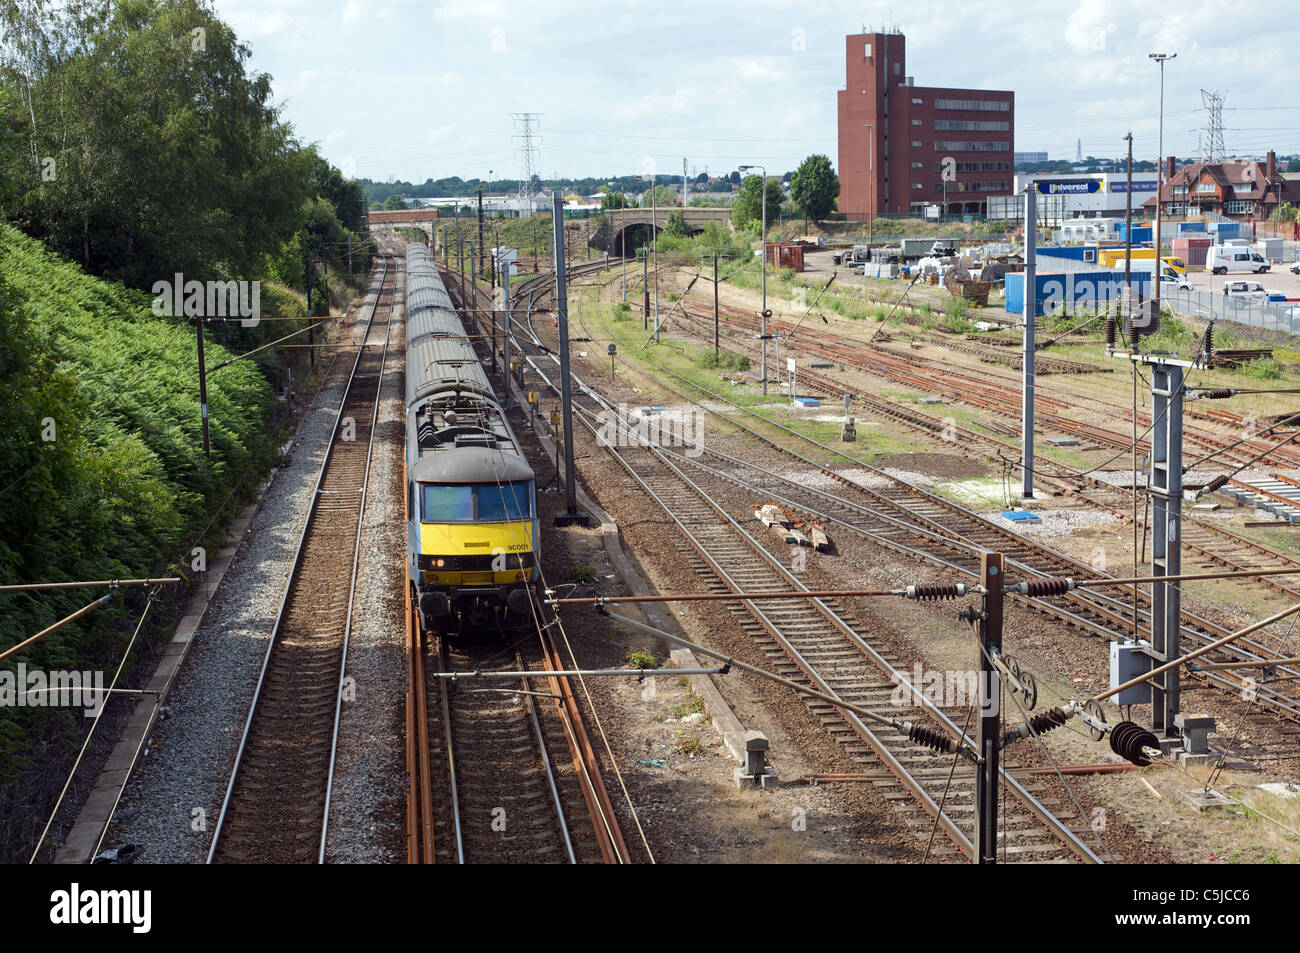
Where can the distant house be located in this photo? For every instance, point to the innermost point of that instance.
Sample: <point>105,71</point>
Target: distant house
<point>1240,189</point>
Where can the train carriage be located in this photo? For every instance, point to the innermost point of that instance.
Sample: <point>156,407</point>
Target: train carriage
<point>472,531</point>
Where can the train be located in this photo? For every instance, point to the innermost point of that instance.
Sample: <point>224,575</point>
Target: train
<point>471,496</point>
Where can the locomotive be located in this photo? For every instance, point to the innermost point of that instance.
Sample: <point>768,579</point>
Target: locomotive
<point>471,495</point>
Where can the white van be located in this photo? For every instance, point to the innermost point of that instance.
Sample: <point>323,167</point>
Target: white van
<point>1225,258</point>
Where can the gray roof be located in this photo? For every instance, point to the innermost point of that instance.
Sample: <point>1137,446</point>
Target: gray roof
<point>425,294</point>
<point>439,364</point>
<point>428,321</point>
<point>471,465</point>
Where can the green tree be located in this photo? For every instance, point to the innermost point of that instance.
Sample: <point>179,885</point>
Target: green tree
<point>611,199</point>
<point>344,194</point>
<point>676,225</point>
<point>394,203</point>
<point>814,187</point>
<point>747,209</point>
<point>734,178</point>
<point>147,147</point>
<point>1293,165</point>
<point>663,196</point>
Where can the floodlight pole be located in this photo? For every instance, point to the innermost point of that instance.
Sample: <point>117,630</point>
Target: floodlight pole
<point>1160,172</point>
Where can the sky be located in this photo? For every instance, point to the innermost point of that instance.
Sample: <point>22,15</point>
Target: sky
<point>410,90</point>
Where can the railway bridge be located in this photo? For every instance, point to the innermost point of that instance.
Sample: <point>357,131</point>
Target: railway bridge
<point>633,225</point>
<point>425,219</point>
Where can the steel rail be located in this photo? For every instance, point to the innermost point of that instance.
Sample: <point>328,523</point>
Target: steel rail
<point>1055,825</point>
<point>293,571</point>
<point>1107,607</point>
<point>1290,707</point>
<point>356,558</point>
<point>914,786</point>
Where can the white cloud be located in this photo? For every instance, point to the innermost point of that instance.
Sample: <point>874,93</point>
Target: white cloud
<point>1090,27</point>
<point>356,12</point>
<point>426,95</point>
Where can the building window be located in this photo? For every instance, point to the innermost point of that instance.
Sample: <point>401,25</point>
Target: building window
<point>918,165</point>
<point>867,50</point>
<point>917,102</point>
<point>1180,190</point>
<point>917,185</point>
<point>983,167</point>
<point>1240,207</point>
<point>966,146</point>
<point>897,69</point>
<point>974,105</point>
<point>1174,208</point>
<point>972,125</point>
<point>1205,188</point>
<point>916,122</point>
<point>916,143</point>
<point>951,187</point>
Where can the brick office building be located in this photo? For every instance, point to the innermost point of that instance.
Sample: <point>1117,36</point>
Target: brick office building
<point>900,135</point>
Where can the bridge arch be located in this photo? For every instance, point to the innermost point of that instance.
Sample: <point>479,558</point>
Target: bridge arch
<point>631,228</point>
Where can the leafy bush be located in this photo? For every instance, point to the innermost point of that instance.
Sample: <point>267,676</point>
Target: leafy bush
<point>1263,369</point>
<point>102,475</point>
<point>722,360</point>
<point>641,658</point>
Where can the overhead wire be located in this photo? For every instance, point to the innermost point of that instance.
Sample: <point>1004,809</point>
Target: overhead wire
<point>540,628</point>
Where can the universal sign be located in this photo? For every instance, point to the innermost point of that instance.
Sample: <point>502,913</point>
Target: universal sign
<point>209,299</point>
<point>1074,187</point>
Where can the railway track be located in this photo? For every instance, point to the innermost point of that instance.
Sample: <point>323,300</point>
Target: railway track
<point>501,769</point>
<point>949,534</point>
<point>276,806</point>
<point>937,519</point>
<point>819,642</point>
<point>1213,544</point>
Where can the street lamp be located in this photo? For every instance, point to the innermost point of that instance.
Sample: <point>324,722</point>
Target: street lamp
<point>762,191</point>
<point>1160,170</point>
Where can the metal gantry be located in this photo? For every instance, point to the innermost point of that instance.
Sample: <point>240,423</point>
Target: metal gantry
<point>1166,553</point>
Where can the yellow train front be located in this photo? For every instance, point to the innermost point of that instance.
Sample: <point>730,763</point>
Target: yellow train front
<point>472,529</point>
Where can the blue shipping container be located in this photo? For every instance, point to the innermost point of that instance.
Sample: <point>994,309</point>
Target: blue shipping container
<point>1072,252</point>
<point>1071,292</point>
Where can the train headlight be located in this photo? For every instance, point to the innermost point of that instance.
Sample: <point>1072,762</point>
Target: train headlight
<point>440,563</point>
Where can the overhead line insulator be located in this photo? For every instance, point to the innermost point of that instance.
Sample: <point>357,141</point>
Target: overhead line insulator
<point>934,593</point>
<point>1043,587</point>
<point>932,737</point>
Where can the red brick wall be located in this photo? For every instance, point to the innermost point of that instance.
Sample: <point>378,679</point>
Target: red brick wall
<point>895,193</point>
<point>408,215</point>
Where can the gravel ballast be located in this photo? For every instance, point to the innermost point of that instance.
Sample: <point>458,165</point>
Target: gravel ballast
<point>171,802</point>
